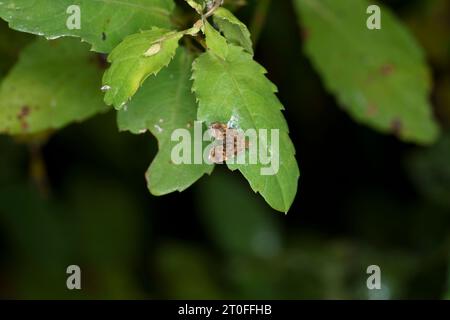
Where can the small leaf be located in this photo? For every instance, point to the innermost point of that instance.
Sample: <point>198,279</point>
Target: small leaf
<point>103,24</point>
<point>237,89</point>
<point>137,57</point>
<point>215,42</point>
<point>163,104</point>
<point>379,76</point>
<point>233,29</point>
<point>53,84</point>
<point>197,6</point>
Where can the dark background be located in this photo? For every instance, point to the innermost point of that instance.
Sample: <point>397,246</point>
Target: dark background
<point>364,198</point>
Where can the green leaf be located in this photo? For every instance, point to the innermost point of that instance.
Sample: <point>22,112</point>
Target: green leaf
<point>53,84</point>
<point>136,58</point>
<point>163,104</point>
<point>11,43</point>
<point>215,42</point>
<point>236,89</point>
<point>195,5</point>
<point>233,29</point>
<point>104,23</point>
<point>379,76</point>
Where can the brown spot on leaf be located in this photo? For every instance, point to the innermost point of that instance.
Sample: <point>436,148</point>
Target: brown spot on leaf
<point>304,33</point>
<point>387,69</point>
<point>22,117</point>
<point>372,110</point>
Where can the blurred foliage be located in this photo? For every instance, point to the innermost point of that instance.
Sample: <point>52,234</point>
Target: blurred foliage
<point>380,77</point>
<point>430,172</point>
<point>364,199</point>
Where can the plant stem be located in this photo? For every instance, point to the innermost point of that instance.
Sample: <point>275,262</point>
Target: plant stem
<point>217,4</point>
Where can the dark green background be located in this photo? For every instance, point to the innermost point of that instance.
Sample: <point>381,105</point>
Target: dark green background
<point>364,198</point>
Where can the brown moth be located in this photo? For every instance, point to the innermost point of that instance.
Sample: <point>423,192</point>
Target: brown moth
<point>231,142</point>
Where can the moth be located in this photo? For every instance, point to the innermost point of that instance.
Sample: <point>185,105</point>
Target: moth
<point>230,142</point>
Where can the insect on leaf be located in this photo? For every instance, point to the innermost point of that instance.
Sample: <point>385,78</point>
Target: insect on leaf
<point>236,89</point>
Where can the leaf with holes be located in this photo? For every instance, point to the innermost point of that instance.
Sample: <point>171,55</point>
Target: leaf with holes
<point>163,104</point>
<point>102,23</point>
<point>136,58</point>
<point>53,84</point>
<point>379,76</point>
<point>236,89</point>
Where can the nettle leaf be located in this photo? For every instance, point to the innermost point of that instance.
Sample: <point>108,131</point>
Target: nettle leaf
<point>53,84</point>
<point>137,57</point>
<point>233,29</point>
<point>236,89</point>
<point>215,42</point>
<point>163,104</point>
<point>379,76</point>
<point>103,23</point>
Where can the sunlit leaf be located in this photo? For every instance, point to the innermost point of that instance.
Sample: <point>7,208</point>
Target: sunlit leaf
<point>136,58</point>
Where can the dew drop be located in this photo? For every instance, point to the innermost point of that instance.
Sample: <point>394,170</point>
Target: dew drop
<point>105,88</point>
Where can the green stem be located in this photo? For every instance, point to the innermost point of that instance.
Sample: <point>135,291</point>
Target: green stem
<point>214,7</point>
